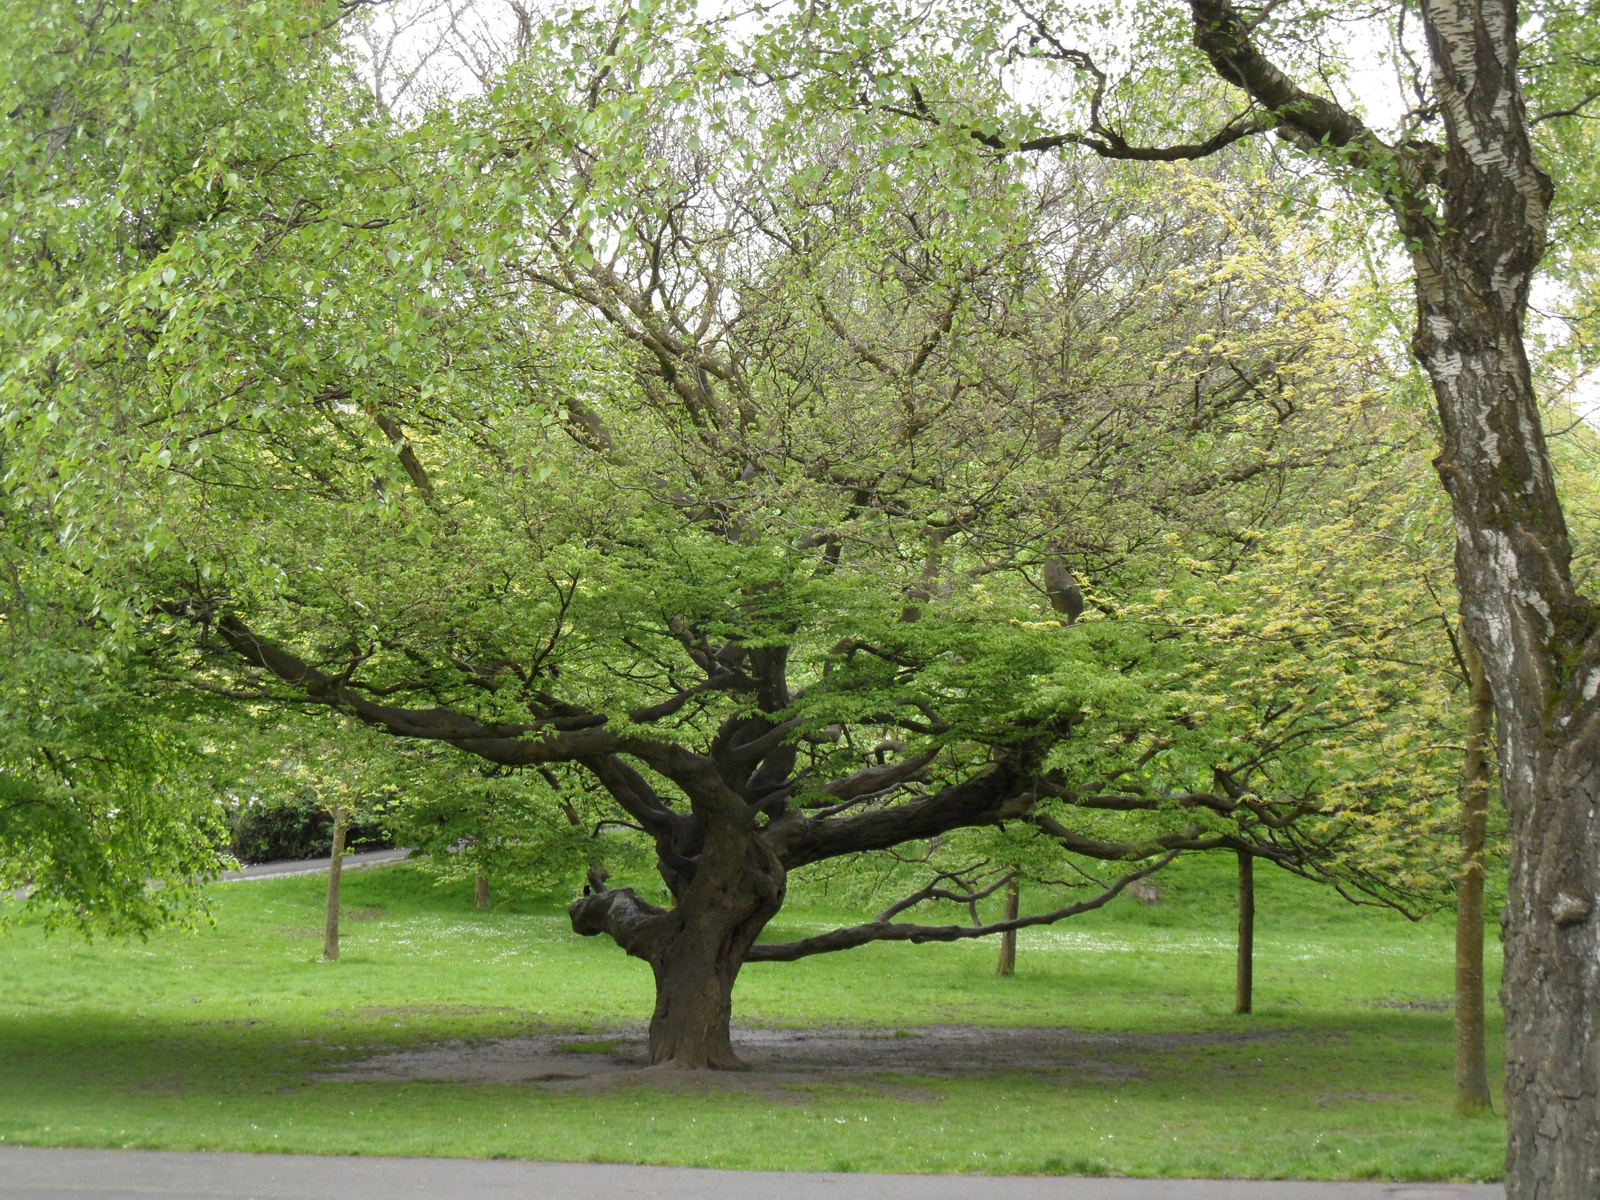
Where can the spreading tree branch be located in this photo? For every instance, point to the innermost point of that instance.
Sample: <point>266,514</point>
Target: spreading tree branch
<point>891,931</point>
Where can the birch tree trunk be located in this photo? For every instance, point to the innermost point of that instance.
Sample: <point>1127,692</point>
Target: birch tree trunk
<point>1474,214</point>
<point>1536,635</point>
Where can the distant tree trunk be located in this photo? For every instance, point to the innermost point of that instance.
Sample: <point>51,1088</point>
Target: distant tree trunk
<point>330,924</point>
<point>1244,970</point>
<point>1472,1072</point>
<point>480,889</point>
<point>1007,965</point>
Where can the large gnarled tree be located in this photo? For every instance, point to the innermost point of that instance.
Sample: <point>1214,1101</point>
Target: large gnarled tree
<point>779,594</point>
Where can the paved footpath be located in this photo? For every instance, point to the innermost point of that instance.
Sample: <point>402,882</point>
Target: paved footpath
<point>314,866</point>
<point>305,866</point>
<point>29,1173</point>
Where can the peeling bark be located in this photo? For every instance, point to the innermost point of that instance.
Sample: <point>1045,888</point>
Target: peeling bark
<point>1474,215</point>
<point>1519,606</point>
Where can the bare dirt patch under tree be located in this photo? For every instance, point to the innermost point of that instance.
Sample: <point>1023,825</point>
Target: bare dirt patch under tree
<point>795,1057</point>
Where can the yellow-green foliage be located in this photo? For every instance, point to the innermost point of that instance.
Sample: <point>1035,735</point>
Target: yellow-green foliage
<point>1334,645</point>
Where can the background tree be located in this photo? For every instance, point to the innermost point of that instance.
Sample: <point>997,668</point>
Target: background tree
<point>110,816</point>
<point>521,832</point>
<point>772,638</point>
<point>342,771</point>
<point>125,125</point>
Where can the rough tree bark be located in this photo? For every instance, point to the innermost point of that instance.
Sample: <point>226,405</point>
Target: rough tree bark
<point>701,945</point>
<point>1245,965</point>
<point>697,947</point>
<point>1472,1072</point>
<point>1006,964</point>
<point>330,921</point>
<point>480,891</point>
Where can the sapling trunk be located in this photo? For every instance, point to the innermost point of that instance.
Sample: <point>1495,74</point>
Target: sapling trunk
<point>330,924</point>
<point>1244,972</point>
<point>1472,1071</point>
<point>1007,964</point>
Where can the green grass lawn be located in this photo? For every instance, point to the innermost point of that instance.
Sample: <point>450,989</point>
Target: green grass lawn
<point>213,1040</point>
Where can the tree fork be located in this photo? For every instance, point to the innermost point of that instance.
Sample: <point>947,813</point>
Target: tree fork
<point>697,948</point>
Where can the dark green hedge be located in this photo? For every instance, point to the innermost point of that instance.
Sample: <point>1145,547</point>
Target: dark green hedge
<point>285,832</point>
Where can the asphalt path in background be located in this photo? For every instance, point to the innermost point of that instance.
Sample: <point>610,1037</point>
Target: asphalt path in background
<point>304,866</point>
<point>313,866</point>
<point>32,1173</point>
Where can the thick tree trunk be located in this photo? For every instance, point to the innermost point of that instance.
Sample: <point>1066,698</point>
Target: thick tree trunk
<point>1244,971</point>
<point>695,974</point>
<point>330,921</point>
<point>480,891</point>
<point>1007,963</point>
<point>1551,992</point>
<point>1475,218</point>
<point>696,948</point>
<point>1519,606</point>
<point>733,896</point>
<point>1472,1073</point>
